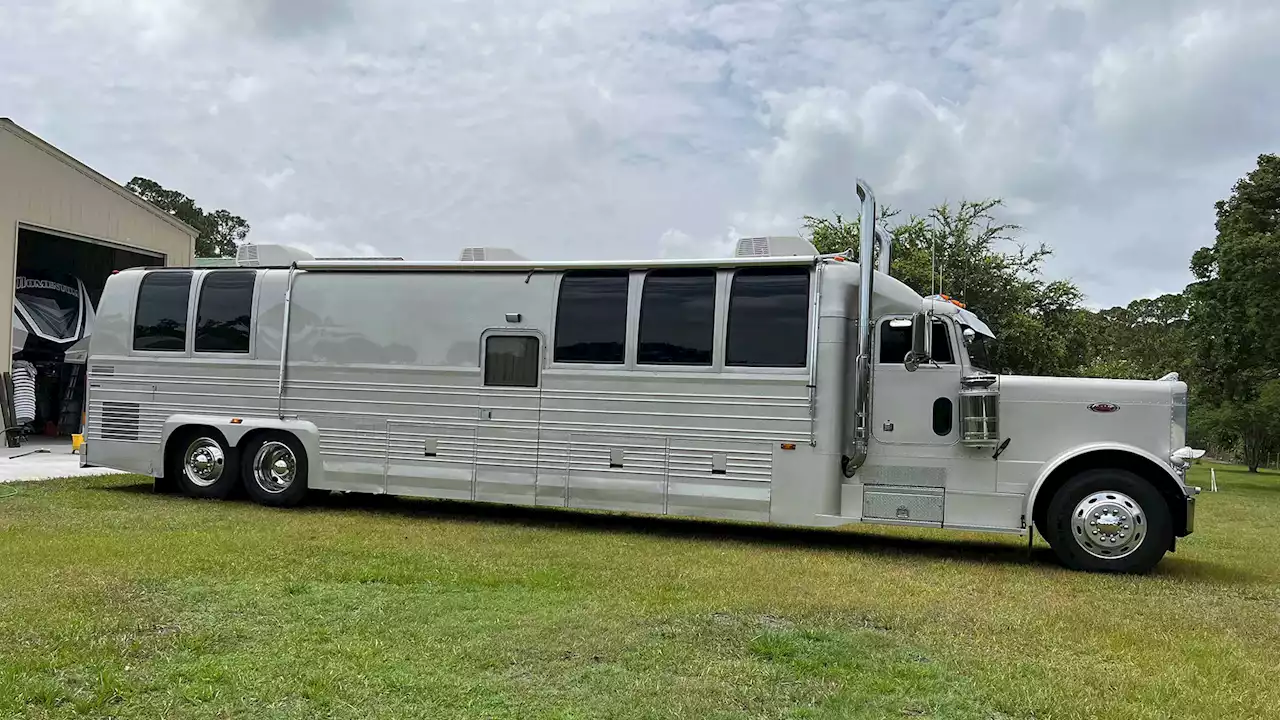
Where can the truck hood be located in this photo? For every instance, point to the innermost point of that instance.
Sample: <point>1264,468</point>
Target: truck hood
<point>1087,391</point>
<point>1055,412</point>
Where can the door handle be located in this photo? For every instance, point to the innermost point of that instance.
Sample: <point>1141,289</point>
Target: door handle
<point>486,414</point>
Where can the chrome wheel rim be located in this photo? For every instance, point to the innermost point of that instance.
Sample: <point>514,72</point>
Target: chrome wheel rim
<point>274,467</point>
<point>204,462</point>
<point>1109,525</point>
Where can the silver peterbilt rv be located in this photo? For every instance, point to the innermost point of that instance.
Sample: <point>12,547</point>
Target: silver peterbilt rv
<point>777,386</point>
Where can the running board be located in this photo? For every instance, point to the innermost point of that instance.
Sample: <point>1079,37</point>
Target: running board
<point>842,520</point>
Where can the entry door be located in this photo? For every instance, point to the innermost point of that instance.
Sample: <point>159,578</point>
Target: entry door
<point>507,425</point>
<point>914,408</point>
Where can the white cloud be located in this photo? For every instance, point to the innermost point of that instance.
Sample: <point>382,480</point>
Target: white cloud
<point>245,88</point>
<point>294,225</point>
<point>274,180</point>
<point>624,128</point>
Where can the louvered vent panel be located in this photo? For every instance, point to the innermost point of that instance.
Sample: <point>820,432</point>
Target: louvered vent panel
<point>119,421</point>
<point>753,247</point>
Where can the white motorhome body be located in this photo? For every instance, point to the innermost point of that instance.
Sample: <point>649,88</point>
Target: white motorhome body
<point>708,388</point>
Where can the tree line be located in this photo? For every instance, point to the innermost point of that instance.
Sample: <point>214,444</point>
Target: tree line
<point>1220,334</point>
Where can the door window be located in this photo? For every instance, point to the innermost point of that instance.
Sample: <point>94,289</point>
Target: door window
<point>895,342</point>
<point>511,361</point>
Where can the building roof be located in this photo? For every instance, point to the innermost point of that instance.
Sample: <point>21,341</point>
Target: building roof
<point>30,137</point>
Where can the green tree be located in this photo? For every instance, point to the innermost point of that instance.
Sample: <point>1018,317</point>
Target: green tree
<point>958,250</point>
<point>1233,326</point>
<point>219,231</point>
<point>1145,339</point>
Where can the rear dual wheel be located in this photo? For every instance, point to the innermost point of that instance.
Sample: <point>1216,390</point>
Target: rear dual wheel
<point>202,464</point>
<point>271,466</point>
<point>274,469</point>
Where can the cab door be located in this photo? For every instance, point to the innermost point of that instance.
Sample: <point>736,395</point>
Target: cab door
<point>915,412</point>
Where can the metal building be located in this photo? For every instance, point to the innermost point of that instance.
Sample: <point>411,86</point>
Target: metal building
<point>64,228</point>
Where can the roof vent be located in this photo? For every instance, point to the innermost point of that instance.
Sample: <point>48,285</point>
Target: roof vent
<point>490,254</point>
<point>249,255</point>
<point>775,246</point>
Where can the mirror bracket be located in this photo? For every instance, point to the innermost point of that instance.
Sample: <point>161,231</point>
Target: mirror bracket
<point>921,341</point>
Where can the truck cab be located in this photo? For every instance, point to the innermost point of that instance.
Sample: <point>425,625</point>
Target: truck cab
<point>1096,466</point>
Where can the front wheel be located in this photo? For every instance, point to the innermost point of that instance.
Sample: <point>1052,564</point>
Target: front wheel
<point>274,469</point>
<point>1109,521</point>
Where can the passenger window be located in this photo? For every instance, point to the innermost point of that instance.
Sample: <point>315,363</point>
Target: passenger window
<point>768,318</point>
<point>224,310</point>
<point>511,361</point>
<point>591,317</point>
<point>895,342</point>
<point>160,320</point>
<point>677,317</point>
<point>942,411</point>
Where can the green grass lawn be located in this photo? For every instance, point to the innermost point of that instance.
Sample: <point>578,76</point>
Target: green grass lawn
<point>115,602</point>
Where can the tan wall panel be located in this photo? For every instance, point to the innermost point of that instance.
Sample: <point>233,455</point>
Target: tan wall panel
<point>39,189</point>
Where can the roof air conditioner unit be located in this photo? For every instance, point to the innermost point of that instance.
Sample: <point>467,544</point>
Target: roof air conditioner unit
<point>775,246</point>
<point>249,255</point>
<point>490,254</point>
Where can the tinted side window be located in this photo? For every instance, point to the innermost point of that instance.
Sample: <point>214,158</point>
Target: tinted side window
<point>895,342</point>
<point>677,317</point>
<point>511,361</point>
<point>768,318</point>
<point>591,317</point>
<point>223,311</point>
<point>160,322</point>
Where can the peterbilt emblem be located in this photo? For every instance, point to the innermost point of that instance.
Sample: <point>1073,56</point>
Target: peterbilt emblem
<point>1104,407</point>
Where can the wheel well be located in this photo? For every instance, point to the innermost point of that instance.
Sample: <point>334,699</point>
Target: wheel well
<point>1113,459</point>
<point>186,431</point>
<point>259,432</point>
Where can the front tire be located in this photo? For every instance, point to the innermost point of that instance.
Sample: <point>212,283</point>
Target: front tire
<point>201,465</point>
<point>274,468</point>
<point>1109,520</point>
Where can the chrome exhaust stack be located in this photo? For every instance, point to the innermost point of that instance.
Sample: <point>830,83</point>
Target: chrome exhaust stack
<point>855,451</point>
<point>886,252</point>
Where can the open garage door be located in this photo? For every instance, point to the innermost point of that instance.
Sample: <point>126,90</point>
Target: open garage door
<point>59,281</point>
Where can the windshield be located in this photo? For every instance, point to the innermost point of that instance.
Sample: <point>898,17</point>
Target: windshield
<point>981,350</point>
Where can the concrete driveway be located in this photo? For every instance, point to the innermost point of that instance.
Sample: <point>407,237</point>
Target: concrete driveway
<point>44,458</point>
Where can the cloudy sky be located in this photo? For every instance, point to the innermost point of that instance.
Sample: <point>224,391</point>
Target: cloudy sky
<point>632,128</point>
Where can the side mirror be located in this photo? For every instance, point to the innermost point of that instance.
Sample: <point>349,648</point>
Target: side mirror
<point>921,341</point>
